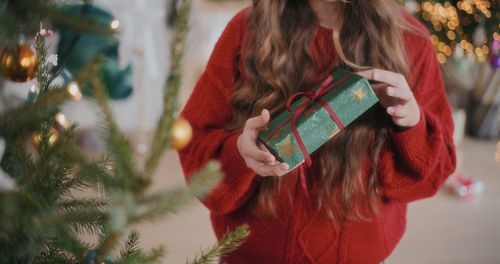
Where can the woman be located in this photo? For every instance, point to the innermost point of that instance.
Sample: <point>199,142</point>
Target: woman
<point>360,181</point>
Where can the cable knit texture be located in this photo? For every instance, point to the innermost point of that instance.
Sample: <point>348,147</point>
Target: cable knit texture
<point>413,165</point>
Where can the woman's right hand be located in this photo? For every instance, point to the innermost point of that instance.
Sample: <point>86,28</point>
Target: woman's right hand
<point>256,156</point>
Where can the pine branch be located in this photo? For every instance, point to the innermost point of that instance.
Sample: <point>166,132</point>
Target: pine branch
<point>52,255</point>
<point>89,220</point>
<point>130,253</point>
<point>107,244</point>
<point>42,70</point>
<point>161,137</point>
<point>162,203</point>
<point>131,245</point>
<point>228,243</point>
<point>83,204</point>
<point>67,243</point>
<point>26,114</point>
<point>119,146</point>
<point>156,205</point>
<point>151,257</point>
<point>91,173</point>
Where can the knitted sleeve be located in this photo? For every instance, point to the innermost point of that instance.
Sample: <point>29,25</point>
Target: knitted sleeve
<point>208,110</point>
<point>422,156</point>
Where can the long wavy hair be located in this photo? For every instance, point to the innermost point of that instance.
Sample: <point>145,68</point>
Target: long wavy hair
<point>278,61</point>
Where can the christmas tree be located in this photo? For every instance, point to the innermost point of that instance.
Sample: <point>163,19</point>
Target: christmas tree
<point>41,221</point>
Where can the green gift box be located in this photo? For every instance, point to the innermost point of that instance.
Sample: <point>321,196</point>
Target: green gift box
<point>314,117</point>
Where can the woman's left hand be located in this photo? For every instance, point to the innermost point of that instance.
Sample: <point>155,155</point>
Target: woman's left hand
<point>395,95</point>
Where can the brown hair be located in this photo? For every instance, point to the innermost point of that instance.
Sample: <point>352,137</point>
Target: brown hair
<point>277,61</point>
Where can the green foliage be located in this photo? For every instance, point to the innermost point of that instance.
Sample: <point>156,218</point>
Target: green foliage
<point>228,243</point>
<point>171,88</point>
<point>43,221</point>
<point>130,252</point>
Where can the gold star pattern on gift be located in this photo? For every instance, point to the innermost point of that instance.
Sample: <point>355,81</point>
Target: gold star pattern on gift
<point>286,148</point>
<point>359,94</point>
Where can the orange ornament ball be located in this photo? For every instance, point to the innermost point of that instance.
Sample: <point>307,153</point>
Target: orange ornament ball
<point>181,134</point>
<point>18,63</point>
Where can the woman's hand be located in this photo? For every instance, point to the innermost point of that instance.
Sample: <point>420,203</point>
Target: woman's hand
<point>395,95</point>
<point>256,156</point>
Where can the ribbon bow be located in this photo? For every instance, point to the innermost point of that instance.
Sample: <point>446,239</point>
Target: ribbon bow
<point>325,87</point>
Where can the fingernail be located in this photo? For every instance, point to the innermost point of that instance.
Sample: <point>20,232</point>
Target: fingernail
<point>284,166</point>
<point>270,158</point>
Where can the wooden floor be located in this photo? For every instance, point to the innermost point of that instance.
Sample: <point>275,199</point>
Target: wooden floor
<point>441,230</point>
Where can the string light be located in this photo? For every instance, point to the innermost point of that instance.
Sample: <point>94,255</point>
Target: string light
<point>33,93</point>
<point>114,24</point>
<point>444,17</point>
<point>496,36</point>
<point>61,120</point>
<point>451,35</point>
<point>34,89</point>
<point>36,137</point>
<point>486,50</point>
<point>74,90</point>
<point>434,39</point>
<point>479,54</point>
<point>441,58</point>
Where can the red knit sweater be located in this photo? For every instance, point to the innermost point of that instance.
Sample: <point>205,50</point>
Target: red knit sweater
<point>412,167</point>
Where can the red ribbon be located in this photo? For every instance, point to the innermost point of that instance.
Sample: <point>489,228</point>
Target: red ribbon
<point>325,87</point>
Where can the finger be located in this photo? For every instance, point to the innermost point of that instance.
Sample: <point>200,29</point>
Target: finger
<point>398,111</point>
<point>378,85</point>
<point>278,169</point>
<point>399,93</point>
<point>257,122</point>
<point>281,169</point>
<point>254,152</point>
<point>269,167</point>
<point>388,77</point>
<point>257,165</point>
<point>263,148</point>
<point>385,102</point>
<point>379,88</point>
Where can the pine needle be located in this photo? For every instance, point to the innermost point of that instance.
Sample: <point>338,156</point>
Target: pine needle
<point>228,243</point>
<point>131,245</point>
<point>161,136</point>
<point>163,203</point>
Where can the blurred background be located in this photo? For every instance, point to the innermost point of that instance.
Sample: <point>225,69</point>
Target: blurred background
<point>459,225</point>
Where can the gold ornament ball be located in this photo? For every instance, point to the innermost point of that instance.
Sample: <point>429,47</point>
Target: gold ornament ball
<point>36,137</point>
<point>18,63</point>
<point>181,134</point>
